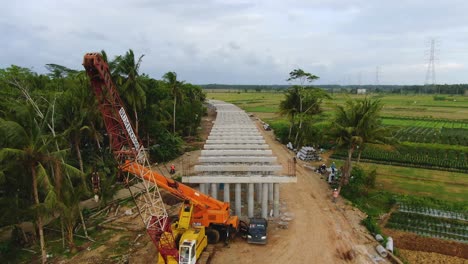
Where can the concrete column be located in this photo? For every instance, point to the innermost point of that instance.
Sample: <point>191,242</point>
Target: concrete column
<point>238,199</point>
<point>202,188</point>
<point>259,192</point>
<point>227,194</point>
<point>270,193</point>
<point>276,200</point>
<point>265,200</point>
<point>214,190</point>
<point>250,194</point>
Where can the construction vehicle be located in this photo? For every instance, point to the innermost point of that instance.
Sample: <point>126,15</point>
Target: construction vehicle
<point>192,240</point>
<point>257,233</point>
<point>208,215</point>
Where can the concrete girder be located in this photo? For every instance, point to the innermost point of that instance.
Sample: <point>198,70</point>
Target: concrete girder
<point>239,159</point>
<point>244,146</point>
<point>239,179</point>
<point>235,137</point>
<point>229,168</point>
<point>235,141</point>
<point>237,152</point>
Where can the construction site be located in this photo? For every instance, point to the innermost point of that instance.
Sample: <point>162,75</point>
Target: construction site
<point>239,196</point>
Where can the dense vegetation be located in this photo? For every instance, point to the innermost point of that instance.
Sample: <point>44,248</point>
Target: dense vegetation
<point>52,136</point>
<point>424,156</point>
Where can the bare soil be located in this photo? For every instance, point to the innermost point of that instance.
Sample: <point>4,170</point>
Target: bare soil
<point>410,241</point>
<point>320,232</point>
<point>419,257</point>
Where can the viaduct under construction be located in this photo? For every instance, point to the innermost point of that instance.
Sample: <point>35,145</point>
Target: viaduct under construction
<point>236,155</point>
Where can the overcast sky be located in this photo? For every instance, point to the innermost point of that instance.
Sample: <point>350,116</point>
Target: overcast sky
<point>245,42</point>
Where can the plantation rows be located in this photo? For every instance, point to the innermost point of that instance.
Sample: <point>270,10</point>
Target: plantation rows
<point>431,158</point>
<point>429,226</point>
<point>425,122</point>
<point>415,209</point>
<point>450,136</point>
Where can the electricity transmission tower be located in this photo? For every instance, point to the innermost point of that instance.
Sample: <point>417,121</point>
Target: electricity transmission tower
<point>431,73</point>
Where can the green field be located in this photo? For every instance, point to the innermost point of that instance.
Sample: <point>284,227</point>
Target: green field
<point>401,111</point>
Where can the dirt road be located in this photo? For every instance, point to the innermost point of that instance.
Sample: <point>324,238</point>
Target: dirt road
<point>320,232</point>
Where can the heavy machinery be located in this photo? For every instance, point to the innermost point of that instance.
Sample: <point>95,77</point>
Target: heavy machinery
<point>192,240</point>
<point>207,214</point>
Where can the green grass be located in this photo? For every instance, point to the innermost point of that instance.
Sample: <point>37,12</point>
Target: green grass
<point>449,186</point>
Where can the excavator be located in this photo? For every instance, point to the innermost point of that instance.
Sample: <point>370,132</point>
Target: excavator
<point>202,218</point>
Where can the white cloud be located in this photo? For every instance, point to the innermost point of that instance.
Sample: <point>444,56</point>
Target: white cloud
<point>239,41</point>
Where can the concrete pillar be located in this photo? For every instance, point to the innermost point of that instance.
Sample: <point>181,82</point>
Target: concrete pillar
<point>214,190</point>
<point>259,192</point>
<point>238,199</point>
<point>276,200</point>
<point>265,200</point>
<point>227,194</point>
<point>250,194</point>
<point>202,188</point>
<point>270,193</point>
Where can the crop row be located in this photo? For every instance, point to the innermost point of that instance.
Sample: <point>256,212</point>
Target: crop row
<point>430,226</point>
<point>425,122</point>
<point>451,136</point>
<point>408,208</point>
<point>431,158</point>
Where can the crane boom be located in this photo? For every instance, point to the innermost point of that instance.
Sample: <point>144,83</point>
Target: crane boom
<point>130,155</point>
<point>127,147</point>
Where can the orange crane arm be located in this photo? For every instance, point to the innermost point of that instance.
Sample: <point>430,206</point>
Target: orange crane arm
<point>199,200</point>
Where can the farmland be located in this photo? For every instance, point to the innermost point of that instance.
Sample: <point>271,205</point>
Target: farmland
<point>432,133</point>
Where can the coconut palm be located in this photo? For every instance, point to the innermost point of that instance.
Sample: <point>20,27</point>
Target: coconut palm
<point>357,123</point>
<point>288,106</point>
<point>131,86</point>
<point>30,149</point>
<point>175,86</point>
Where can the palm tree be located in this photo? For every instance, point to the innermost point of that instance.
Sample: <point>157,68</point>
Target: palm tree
<point>30,149</point>
<point>355,124</point>
<point>288,106</point>
<point>175,86</point>
<point>300,103</point>
<point>132,88</point>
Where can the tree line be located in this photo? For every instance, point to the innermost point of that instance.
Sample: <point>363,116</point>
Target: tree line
<point>453,89</point>
<point>52,137</point>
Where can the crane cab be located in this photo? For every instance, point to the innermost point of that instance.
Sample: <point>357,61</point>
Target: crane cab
<point>187,252</point>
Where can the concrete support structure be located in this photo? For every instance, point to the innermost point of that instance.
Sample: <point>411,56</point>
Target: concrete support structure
<point>250,202</point>
<point>214,190</point>
<point>238,199</point>
<point>227,193</point>
<point>202,188</point>
<point>259,192</point>
<point>270,193</point>
<point>265,200</point>
<point>276,204</point>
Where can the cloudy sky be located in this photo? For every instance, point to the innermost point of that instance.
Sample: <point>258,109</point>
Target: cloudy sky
<point>246,42</point>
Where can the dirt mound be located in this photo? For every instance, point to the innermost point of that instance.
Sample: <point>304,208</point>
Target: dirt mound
<point>412,241</point>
